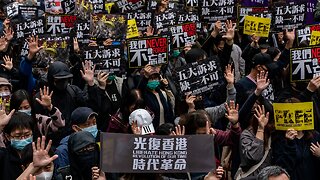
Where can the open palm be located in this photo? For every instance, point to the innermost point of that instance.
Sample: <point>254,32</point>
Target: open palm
<point>41,157</point>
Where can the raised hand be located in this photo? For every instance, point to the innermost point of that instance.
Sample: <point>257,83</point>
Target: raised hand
<point>4,117</point>
<point>8,65</point>
<point>217,29</point>
<point>261,116</point>
<point>314,84</point>
<point>190,102</point>
<point>76,45</point>
<point>262,82</point>
<point>255,40</point>
<point>88,72</point>
<point>45,98</point>
<point>290,35</point>
<point>3,44</point>
<point>315,149</point>
<point>102,79</point>
<point>164,81</point>
<point>229,74</point>
<point>150,31</point>
<point>33,47</point>
<point>230,31</point>
<point>232,112</point>
<point>8,34</point>
<point>135,128</point>
<point>179,131</point>
<point>41,157</point>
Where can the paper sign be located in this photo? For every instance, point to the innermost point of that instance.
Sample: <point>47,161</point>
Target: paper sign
<point>259,26</point>
<point>298,116</point>
<point>183,34</point>
<point>315,38</point>
<point>132,29</point>
<point>127,153</point>
<point>290,15</point>
<point>108,7</point>
<point>304,63</point>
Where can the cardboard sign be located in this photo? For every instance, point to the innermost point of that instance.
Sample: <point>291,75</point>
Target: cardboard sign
<point>304,34</point>
<point>289,16</point>
<point>183,34</point>
<point>212,10</point>
<point>198,77</point>
<point>106,58</point>
<point>129,5</point>
<point>257,25</point>
<point>28,12</point>
<point>252,11</point>
<point>150,50</point>
<point>298,116</point>
<point>315,38</point>
<point>109,26</point>
<point>126,153</point>
<point>60,24</point>
<point>163,21</point>
<point>30,28</point>
<point>304,63</point>
<point>132,29</point>
<point>143,19</point>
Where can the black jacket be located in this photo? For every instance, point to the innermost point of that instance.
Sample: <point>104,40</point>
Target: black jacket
<point>10,164</point>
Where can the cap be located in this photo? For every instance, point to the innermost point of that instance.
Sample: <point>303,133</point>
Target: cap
<point>81,115</point>
<point>144,120</point>
<point>261,59</point>
<point>63,75</point>
<point>5,82</point>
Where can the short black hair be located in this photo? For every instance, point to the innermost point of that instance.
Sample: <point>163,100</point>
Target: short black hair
<point>165,129</point>
<point>19,120</point>
<point>18,97</point>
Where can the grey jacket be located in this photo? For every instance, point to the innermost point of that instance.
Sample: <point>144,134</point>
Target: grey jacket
<point>252,151</point>
<point>238,61</point>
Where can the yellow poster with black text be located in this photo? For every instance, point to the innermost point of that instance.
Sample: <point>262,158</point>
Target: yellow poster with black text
<point>315,38</point>
<point>298,116</point>
<point>256,25</point>
<point>132,29</point>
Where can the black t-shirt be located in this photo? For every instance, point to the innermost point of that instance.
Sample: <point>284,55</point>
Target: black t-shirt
<point>114,97</point>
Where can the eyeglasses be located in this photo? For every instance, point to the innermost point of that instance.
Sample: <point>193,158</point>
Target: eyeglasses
<point>23,136</point>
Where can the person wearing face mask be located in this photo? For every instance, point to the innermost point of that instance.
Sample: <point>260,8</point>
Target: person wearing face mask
<point>83,119</point>
<point>158,98</point>
<point>18,129</point>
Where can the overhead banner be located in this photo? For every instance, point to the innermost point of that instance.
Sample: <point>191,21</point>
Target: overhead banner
<point>297,116</point>
<point>150,50</point>
<point>106,58</point>
<point>183,34</point>
<point>257,25</point>
<point>127,153</point>
<point>198,77</point>
<point>304,63</point>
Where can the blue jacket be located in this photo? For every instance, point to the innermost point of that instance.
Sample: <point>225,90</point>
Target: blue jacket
<point>26,72</point>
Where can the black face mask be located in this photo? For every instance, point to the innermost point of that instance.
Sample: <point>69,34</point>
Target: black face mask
<point>87,160</point>
<point>61,84</point>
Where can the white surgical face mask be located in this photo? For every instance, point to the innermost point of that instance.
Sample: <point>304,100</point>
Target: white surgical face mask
<point>44,176</point>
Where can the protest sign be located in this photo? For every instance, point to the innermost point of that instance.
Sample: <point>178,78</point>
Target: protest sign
<point>304,63</point>
<point>129,5</point>
<point>253,3</point>
<point>60,24</point>
<point>24,49</point>
<point>257,25</point>
<point>54,41</point>
<point>108,7</point>
<point>212,10</point>
<point>192,3</point>
<point>198,77</point>
<point>164,20</point>
<point>183,34</point>
<point>30,28</point>
<point>53,6</point>
<point>297,116</point>
<point>152,5</point>
<point>106,58</point>
<point>304,34</point>
<point>83,10</point>
<point>315,38</point>
<point>289,16</point>
<point>252,11</point>
<point>150,50</point>
<point>132,29</point>
<point>28,12</point>
<point>109,26</point>
<point>183,17</point>
<point>12,9</point>
<point>68,6</point>
<point>83,31</point>
<point>125,153</point>
<point>143,19</point>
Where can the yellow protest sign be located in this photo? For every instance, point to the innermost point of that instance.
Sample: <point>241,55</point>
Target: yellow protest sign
<point>259,26</point>
<point>315,38</point>
<point>132,29</point>
<point>298,116</point>
<point>108,7</point>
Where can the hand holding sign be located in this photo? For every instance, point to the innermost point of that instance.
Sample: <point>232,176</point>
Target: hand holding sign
<point>262,82</point>
<point>255,40</point>
<point>291,134</point>
<point>215,175</point>
<point>315,149</point>
<point>290,35</point>
<point>102,79</point>
<point>190,102</point>
<point>261,116</point>
<point>314,84</point>
<point>217,29</point>
<point>150,31</point>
